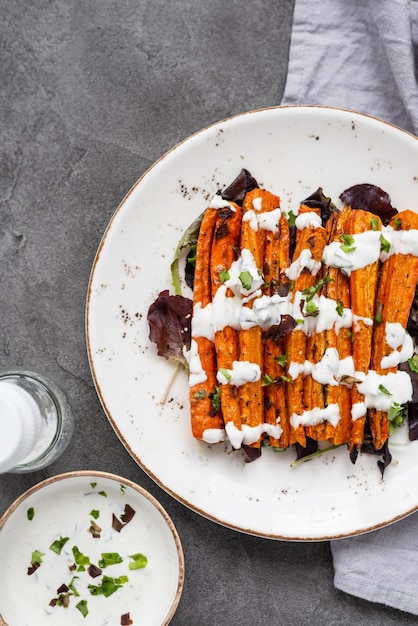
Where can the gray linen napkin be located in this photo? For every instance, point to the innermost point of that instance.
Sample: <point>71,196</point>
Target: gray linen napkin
<point>362,55</point>
<point>358,55</point>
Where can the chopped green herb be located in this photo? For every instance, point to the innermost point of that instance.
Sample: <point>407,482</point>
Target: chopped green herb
<point>378,317</point>
<point>109,558</point>
<point>72,586</point>
<point>347,243</point>
<point>384,244</point>
<point>123,488</point>
<point>299,321</point>
<point>246,279</point>
<point>82,607</point>
<point>109,585</point>
<point>281,359</point>
<point>291,285</point>
<point>95,513</point>
<point>30,513</point>
<point>383,389</point>
<point>397,224</point>
<point>225,373</point>
<point>139,561</point>
<point>340,308</point>
<point>310,292</point>
<point>224,276</point>
<point>199,395</point>
<point>374,223</point>
<point>215,398</point>
<point>413,363</point>
<point>103,493</point>
<point>58,544</point>
<point>81,560</point>
<point>37,557</point>
<point>93,485</point>
<point>312,309</point>
<point>268,380</point>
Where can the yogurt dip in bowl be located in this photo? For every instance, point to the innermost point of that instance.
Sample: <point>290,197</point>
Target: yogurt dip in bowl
<point>88,547</point>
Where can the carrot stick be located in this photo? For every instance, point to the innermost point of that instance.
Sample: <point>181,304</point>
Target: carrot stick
<point>256,203</point>
<point>363,285</point>
<point>399,277</point>
<point>276,262</point>
<point>310,244</point>
<point>337,289</point>
<point>206,417</point>
<point>225,246</point>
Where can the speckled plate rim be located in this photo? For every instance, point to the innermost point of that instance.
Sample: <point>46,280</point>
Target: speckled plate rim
<point>97,474</point>
<point>100,385</point>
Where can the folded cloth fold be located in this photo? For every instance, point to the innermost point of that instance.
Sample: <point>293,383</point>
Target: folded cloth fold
<point>362,55</point>
<point>359,55</point>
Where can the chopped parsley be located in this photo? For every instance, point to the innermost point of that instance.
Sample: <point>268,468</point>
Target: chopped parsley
<point>30,513</point>
<point>310,292</point>
<point>268,380</point>
<point>57,545</point>
<point>281,359</point>
<point>108,586</point>
<point>384,244</point>
<point>383,389</point>
<point>225,373</point>
<point>139,561</point>
<point>80,559</point>
<point>82,607</point>
<point>378,316</point>
<point>109,558</point>
<point>215,398</point>
<point>95,513</point>
<point>374,223</point>
<point>347,243</point>
<point>224,276</point>
<point>246,279</point>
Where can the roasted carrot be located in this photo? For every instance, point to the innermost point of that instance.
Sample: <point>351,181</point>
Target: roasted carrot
<point>225,246</point>
<point>363,285</point>
<point>276,262</point>
<point>310,243</point>
<point>395,294</point>
<point>205,414</point>
<point>256,203</point>
<point>337,289</point>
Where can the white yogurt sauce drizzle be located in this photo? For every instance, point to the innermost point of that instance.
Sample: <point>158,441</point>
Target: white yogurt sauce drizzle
<point>233,310</point>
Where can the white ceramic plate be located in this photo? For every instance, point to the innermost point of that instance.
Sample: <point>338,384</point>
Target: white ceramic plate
<point>62,507</point>
<point>290,151</point>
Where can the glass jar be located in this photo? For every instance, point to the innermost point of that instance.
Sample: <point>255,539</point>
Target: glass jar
<point>36,421</point>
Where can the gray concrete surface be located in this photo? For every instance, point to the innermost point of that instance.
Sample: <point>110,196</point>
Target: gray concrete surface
<point>91,93</point>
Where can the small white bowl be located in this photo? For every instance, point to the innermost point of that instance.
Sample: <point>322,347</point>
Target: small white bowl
<point>88,508</point>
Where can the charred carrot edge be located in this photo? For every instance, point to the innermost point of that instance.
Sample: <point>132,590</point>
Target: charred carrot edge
<point>363,285</point>
<point>250,340</point>
<point>315,240</point>
<point>225,246</point>
<point>395,294</point>
<point>276,261</point>
<point>203,413</point>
